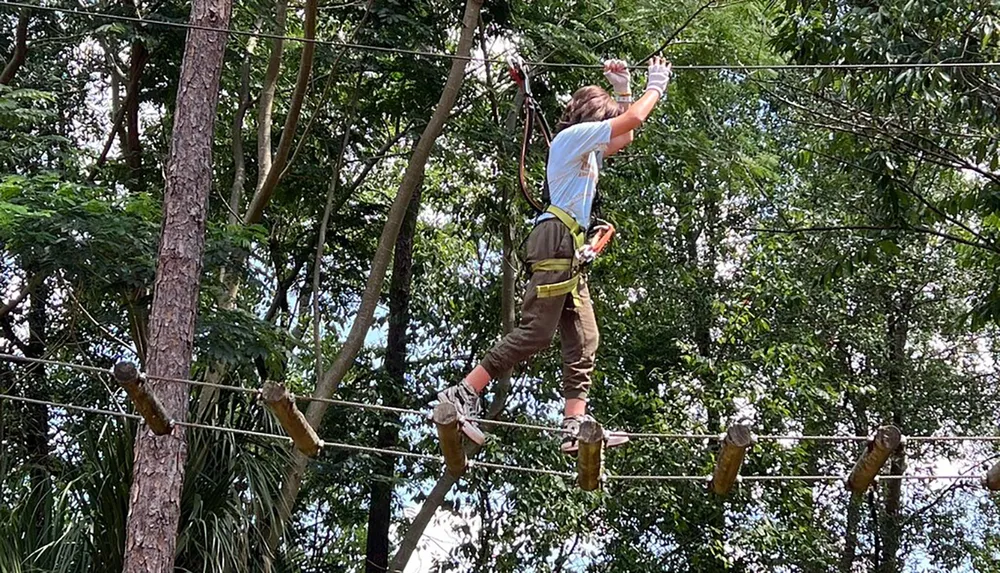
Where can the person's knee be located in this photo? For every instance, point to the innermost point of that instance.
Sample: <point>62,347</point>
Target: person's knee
<point>538,337</point>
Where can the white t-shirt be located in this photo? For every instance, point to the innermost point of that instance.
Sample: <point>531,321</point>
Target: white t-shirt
<point>574,159</point>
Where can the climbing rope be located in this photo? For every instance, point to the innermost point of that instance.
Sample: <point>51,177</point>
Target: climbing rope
<point>518,425</point>
<point>488,465</point>
<point>444,55</point>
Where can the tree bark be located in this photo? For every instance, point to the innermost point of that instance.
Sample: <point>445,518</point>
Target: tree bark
<point>266,105</point>
<point>20,54</point>
<point>412,177</point>
<point>37,420</point>
<point>380,507</point>
<point>137,62</point>
<point>158,474</point>
<point>897,333</point>
<point>269,180</point>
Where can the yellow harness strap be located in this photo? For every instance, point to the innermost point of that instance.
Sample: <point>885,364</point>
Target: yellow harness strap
<point>569,286</point>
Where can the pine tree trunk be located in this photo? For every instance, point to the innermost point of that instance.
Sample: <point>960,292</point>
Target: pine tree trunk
<point>158,474</point>
<point>380,507</point>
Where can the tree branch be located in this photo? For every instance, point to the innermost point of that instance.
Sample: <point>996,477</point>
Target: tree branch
<point>28,287</point>
<point>20,48</point>
<point>239,163</point>
<point>266,100</point>
<point>909,188</point>
<point>321,242</point>
<point>9,334</point>
<point>264,192</point>
<point>326,89</point>
<point>128,103</point>
<point>679,29</point>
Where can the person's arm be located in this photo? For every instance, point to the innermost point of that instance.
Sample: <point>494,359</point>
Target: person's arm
<point>659,75</point>
<point>617,73</point>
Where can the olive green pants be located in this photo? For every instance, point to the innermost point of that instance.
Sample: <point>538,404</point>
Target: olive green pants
<point>541,317</point>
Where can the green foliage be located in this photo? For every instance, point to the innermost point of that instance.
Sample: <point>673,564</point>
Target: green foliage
<point>779,233</point>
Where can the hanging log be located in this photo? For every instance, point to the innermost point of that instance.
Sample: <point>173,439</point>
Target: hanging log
<point>590,455</point>
<point>145,401</point>
<point>282,403</point>
<point>992,480</point>
<point>885,442</point>
<point>727,468</point>
<point>446,419</point>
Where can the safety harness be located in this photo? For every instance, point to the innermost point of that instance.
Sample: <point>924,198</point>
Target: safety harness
<point>601,231</point>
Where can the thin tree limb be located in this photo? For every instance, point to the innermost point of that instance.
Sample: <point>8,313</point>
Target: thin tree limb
<point>131,93</point>
<point>266,189</point>
<point>326,88</point>
<point>239,162</point>
<point>679,29</point>
<point>265,106</point>
<point>20,54</point>
<point>321,243</point>
<point>913,228</point>
<point>28,287</point>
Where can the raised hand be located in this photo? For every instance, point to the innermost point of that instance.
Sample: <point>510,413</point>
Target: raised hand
<point>658,75</point>
<point>618,75</point>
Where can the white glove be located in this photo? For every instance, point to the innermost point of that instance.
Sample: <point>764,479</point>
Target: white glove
<point>617,73</point>
<point>658,75</point>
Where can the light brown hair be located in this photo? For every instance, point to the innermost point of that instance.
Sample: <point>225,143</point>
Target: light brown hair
<point>589,103</point>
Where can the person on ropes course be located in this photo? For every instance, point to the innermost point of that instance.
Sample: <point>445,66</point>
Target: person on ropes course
<point>592,125</point>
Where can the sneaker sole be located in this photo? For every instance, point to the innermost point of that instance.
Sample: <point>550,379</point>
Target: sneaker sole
<point>612,441</point>
<point>473,432</point>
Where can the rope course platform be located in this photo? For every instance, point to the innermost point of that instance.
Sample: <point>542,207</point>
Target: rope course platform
<point>734,442</point>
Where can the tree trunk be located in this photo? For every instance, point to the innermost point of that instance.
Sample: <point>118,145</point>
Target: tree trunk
<point>266,106</point>
<point>706,554</point>
<point>137,62</point>
<point>507,320</point>
<point>380,507</point>
<point>158,474</point>
<point>851,534</point>
<point>855,505</point>
<point>897,334</point>
<point>269,179</point>
<point>412,178</point>
<point>36,431</point>
<point>20,48</point>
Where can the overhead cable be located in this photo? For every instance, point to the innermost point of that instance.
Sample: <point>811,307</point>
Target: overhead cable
<point>444,55</point>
